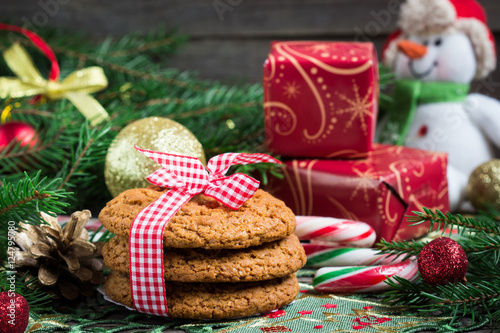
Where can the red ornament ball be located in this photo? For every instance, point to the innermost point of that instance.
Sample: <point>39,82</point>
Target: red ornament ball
<point>14,312</point>
<point>442,261</point>
<point>19,131</point>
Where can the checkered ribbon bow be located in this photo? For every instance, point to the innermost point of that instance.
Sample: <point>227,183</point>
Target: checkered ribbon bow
<point>185,176</point>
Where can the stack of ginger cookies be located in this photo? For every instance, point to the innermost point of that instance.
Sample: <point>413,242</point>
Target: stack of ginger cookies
<point>219,263</point>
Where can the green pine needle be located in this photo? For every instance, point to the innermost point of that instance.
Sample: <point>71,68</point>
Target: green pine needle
<point>404,248</point>
<point>24,200</point>
<point>479,298</point>
<point>439,221</point>
<point>25,286</point>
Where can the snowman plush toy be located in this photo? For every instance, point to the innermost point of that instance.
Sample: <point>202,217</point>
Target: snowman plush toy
<point>440,47</point>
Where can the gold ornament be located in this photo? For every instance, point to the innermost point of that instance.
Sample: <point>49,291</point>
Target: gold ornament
<point>483,188</point>
<point>126,168</point>
<point>65,258</point>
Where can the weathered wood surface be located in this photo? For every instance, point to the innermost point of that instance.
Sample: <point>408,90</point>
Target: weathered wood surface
<point>206,18</point>
<point>210,18</point>
<point>229,38</point>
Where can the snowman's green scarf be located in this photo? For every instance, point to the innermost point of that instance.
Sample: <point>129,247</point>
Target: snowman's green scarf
<point>408,94</point>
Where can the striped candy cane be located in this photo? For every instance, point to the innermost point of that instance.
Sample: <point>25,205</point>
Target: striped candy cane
<point>362,279</point>
<point>335,231</point>
<point>327,256</point>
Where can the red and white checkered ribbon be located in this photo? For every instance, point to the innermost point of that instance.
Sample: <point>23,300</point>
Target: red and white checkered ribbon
<point>185,176</point>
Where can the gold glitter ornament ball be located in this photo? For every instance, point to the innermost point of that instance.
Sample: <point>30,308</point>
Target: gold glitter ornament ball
<point>483,188</point>
<point>127,168</point>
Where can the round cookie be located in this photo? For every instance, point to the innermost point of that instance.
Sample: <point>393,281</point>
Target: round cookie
<point>264,262</point>
<point>214,300</point>
<point>204,222</point>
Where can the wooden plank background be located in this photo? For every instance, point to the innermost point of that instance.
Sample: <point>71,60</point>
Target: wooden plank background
<point>229,39</point>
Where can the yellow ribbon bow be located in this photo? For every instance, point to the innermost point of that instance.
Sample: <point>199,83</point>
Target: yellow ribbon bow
<point>76,86</point>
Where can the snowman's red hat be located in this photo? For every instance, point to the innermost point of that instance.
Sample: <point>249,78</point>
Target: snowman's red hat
<point>427,17</point>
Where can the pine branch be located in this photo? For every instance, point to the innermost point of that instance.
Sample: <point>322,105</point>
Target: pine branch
<point>202,111</point>
<point>480,243</point>
<point>457,300</point>
<point>55,134</point>
<point>169,41</point>
<point>76,164</point>
<point>14,150</point>
<point>404,248</point>
<point>36,196</point>
<point>38,300</point>
<point>126,70</point>
<point>483,265</point>
<point>444,221</point>
<point>26,199</point>
<point>23,200</point>
<point>89,151</point>
<point>479,299</point>
<point>224,117</point>
<point>387,76</point>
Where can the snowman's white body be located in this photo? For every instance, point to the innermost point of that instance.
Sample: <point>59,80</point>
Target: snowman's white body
<point>468,131</point>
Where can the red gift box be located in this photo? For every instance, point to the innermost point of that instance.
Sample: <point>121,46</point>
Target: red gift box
<point>381,189</point>
<point>320,98</point>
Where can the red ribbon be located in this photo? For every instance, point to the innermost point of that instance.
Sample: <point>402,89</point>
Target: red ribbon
<point>40,44</point>
<point>185,176</point>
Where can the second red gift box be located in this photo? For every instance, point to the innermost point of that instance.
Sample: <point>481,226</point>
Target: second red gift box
<point>380,189</point>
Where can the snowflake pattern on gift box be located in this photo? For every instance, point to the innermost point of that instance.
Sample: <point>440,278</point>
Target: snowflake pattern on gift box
<point>359,107</point>
<point>291,90</point>
<point>364,182</point>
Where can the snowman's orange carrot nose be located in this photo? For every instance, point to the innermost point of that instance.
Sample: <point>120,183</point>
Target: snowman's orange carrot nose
<point>411,49</point>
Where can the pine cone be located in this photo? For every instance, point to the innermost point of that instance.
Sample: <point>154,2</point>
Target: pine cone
<point>65,258</point>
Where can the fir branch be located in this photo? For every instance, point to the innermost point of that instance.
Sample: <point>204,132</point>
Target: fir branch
<point>25,286</point>
<point>475,300</point>
<point>36,196</point>
<point>54,136</point>
<point>100,236</point>
<point>457,300</point>
<point>120,92</point>
<point>257,136</point>
<point>481,244</point>
<point>479,299</point>
<point>483,265</point>
<point>34,112</point>
<point>88,152</point>
<point>387,76</point>
<point>160,101</point>
<point>444,221</point>
<point>75,165</point>
<point>125,70</point>
<point>145,47</point>
<point>17,151</point>
<point>30,196</point>
<point>224,117</point>
<point>403,248</point>
<point>209,109</point>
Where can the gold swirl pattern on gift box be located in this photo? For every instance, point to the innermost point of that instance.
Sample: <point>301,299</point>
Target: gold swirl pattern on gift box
<point>288,117</point>
<point>302,206</point>
<point>404,171</point>
<point>358,106</point>
<point>387,211</point>
<point>399,167</point>
<point>345,213</point>
<point>272,62</point>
